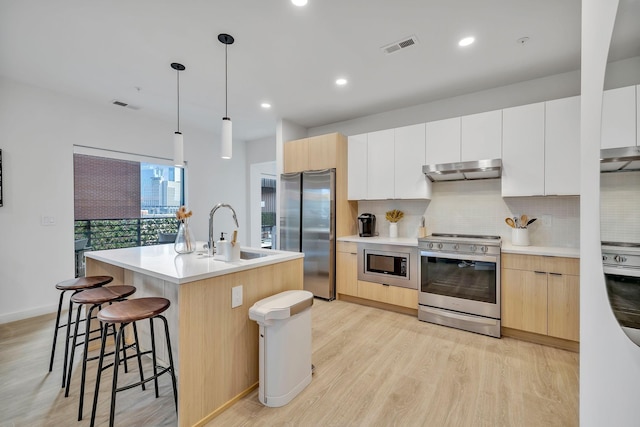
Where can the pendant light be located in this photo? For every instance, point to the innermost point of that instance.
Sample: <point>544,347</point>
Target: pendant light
<point>178,143</point>
<point>226,39</point>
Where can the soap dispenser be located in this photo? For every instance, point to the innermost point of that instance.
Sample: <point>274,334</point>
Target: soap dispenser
<point>221,246</point>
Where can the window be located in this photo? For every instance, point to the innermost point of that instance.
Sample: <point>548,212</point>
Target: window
<point>123,202</point>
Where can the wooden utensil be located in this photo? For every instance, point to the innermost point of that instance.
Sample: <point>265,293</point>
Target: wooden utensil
<point>510,222</point>
<point>523,220</point>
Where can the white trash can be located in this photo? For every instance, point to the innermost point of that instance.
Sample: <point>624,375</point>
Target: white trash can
<point>285,345</point>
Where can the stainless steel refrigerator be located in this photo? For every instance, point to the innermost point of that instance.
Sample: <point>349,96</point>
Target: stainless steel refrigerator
<point>307,224</point>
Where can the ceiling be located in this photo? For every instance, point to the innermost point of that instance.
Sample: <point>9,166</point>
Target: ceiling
<point>283,54</point>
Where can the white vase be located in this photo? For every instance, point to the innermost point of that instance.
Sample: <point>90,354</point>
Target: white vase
<point>393,229</point>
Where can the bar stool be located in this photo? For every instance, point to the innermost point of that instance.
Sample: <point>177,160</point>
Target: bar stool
<point>95,298</point>
<point>125,312</point>
<point>75,285</point>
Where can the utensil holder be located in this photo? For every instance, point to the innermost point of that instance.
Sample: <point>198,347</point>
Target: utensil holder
<point>520,237</point>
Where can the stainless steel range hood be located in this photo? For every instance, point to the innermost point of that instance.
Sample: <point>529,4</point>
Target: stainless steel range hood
<point>478,169</point>
<point>620,159</point>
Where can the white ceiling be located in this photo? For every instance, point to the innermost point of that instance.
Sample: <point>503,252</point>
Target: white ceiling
<point>289,56</point>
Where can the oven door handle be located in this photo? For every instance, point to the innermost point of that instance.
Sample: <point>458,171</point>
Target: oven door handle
<point>466,318</point>
<point>462,257</point>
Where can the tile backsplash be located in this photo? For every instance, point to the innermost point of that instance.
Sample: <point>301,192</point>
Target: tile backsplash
<point>477,207</point>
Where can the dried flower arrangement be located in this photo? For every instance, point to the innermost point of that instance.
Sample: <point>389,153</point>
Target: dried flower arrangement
<point>394,215</point>
<point>182,214</point>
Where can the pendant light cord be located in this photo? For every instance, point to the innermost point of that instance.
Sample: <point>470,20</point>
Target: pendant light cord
<point>226,83</point>
<point>178,85</point>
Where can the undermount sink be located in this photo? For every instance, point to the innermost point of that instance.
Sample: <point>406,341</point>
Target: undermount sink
<point>252,255</point>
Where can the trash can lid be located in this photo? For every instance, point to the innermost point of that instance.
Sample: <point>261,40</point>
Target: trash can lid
<point>281,306</point>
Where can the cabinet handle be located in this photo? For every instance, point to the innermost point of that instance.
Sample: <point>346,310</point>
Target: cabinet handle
<point>556,274</point>
<point>384,284</point>
<point>540,272</point>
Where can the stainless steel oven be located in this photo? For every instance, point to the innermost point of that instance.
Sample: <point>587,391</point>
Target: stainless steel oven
<point>460,282</point>
<point>621,264</point>
<point>388,264</point>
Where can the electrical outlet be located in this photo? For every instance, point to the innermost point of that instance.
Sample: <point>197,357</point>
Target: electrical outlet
<point>547,220</point>
<point>236,296</point>
<point>47,220</point>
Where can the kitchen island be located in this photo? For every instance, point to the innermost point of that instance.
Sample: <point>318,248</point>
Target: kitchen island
<point>215,346</point>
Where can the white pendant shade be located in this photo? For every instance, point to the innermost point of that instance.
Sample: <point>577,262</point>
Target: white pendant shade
<point>226,149</point>
<point>178,149</point>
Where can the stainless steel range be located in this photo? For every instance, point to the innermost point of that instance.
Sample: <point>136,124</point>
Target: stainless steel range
<point>460,282</point>
<point>621,264</point>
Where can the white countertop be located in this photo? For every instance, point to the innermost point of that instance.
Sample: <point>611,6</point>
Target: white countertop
<point>507,246</point>
<point>162,262</point>
<point>381,240</point>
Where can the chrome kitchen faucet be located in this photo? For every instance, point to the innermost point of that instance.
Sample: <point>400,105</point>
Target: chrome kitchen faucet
<point>210,248</point>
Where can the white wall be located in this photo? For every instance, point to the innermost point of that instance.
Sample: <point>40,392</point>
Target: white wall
<point>39,129</point>
<point>609,361</point>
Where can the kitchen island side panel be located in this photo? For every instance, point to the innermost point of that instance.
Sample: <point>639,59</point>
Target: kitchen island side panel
<point>219,344</point>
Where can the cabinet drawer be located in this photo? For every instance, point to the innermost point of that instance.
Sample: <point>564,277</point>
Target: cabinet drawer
<point>372,291</point>
<point>350,247</point>
<point>548,264</point>
<point>394,295</point>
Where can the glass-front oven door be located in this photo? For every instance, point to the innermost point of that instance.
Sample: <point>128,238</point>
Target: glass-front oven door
<point>461,282</point>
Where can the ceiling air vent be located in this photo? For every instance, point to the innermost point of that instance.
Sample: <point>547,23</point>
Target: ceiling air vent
<point>124,104</point>
<point>401,44</point>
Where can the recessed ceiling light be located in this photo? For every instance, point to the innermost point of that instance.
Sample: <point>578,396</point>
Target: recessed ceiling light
<point>299,2</point>
<point>341,82</point>
<point>265,105</point>
<point>466,41</point>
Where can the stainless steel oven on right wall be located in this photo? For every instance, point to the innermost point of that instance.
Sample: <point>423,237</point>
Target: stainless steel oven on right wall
<point>460,282</point>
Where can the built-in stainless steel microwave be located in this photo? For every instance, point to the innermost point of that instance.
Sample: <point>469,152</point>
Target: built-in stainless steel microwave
<point>388,264</point>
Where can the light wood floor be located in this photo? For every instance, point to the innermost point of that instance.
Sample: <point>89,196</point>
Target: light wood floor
<point>372,367</point>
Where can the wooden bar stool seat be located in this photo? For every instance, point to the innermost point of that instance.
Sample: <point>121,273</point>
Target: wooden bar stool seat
<point>94,298</point>
<point>74,285</point>
<point>123,313</point>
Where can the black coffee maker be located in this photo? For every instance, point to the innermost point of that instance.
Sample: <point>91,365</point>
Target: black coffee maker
<point>367,225</point>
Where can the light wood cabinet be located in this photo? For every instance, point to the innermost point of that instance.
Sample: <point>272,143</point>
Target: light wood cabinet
<point>481,136</point>
<point>562,147</point>
<point>393,295</point>
<point>314,153</point>
<point>541,294</point>
<point>409,157</point>
<point>380,165</point>
<point>347,268</point>
<point>523,150</point>
<point>443,141</point>
<point>619,118</point>
<point>296,156</point>
<point>357,161</point>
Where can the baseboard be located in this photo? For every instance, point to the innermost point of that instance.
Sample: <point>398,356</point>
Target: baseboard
<point>26,314</point>
<point>384,306</point>
<point>224,407</point>
<point>541,339</point>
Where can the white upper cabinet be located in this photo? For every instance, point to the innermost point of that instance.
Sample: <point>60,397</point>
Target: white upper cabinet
<point>410,182</point>
<point>523,150</point>
<point>380,164</point>
<point>443,141</point>
<point>562,146</point>
<point>619,118</point>
<point>357,167</point>
<point>481,136</point>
